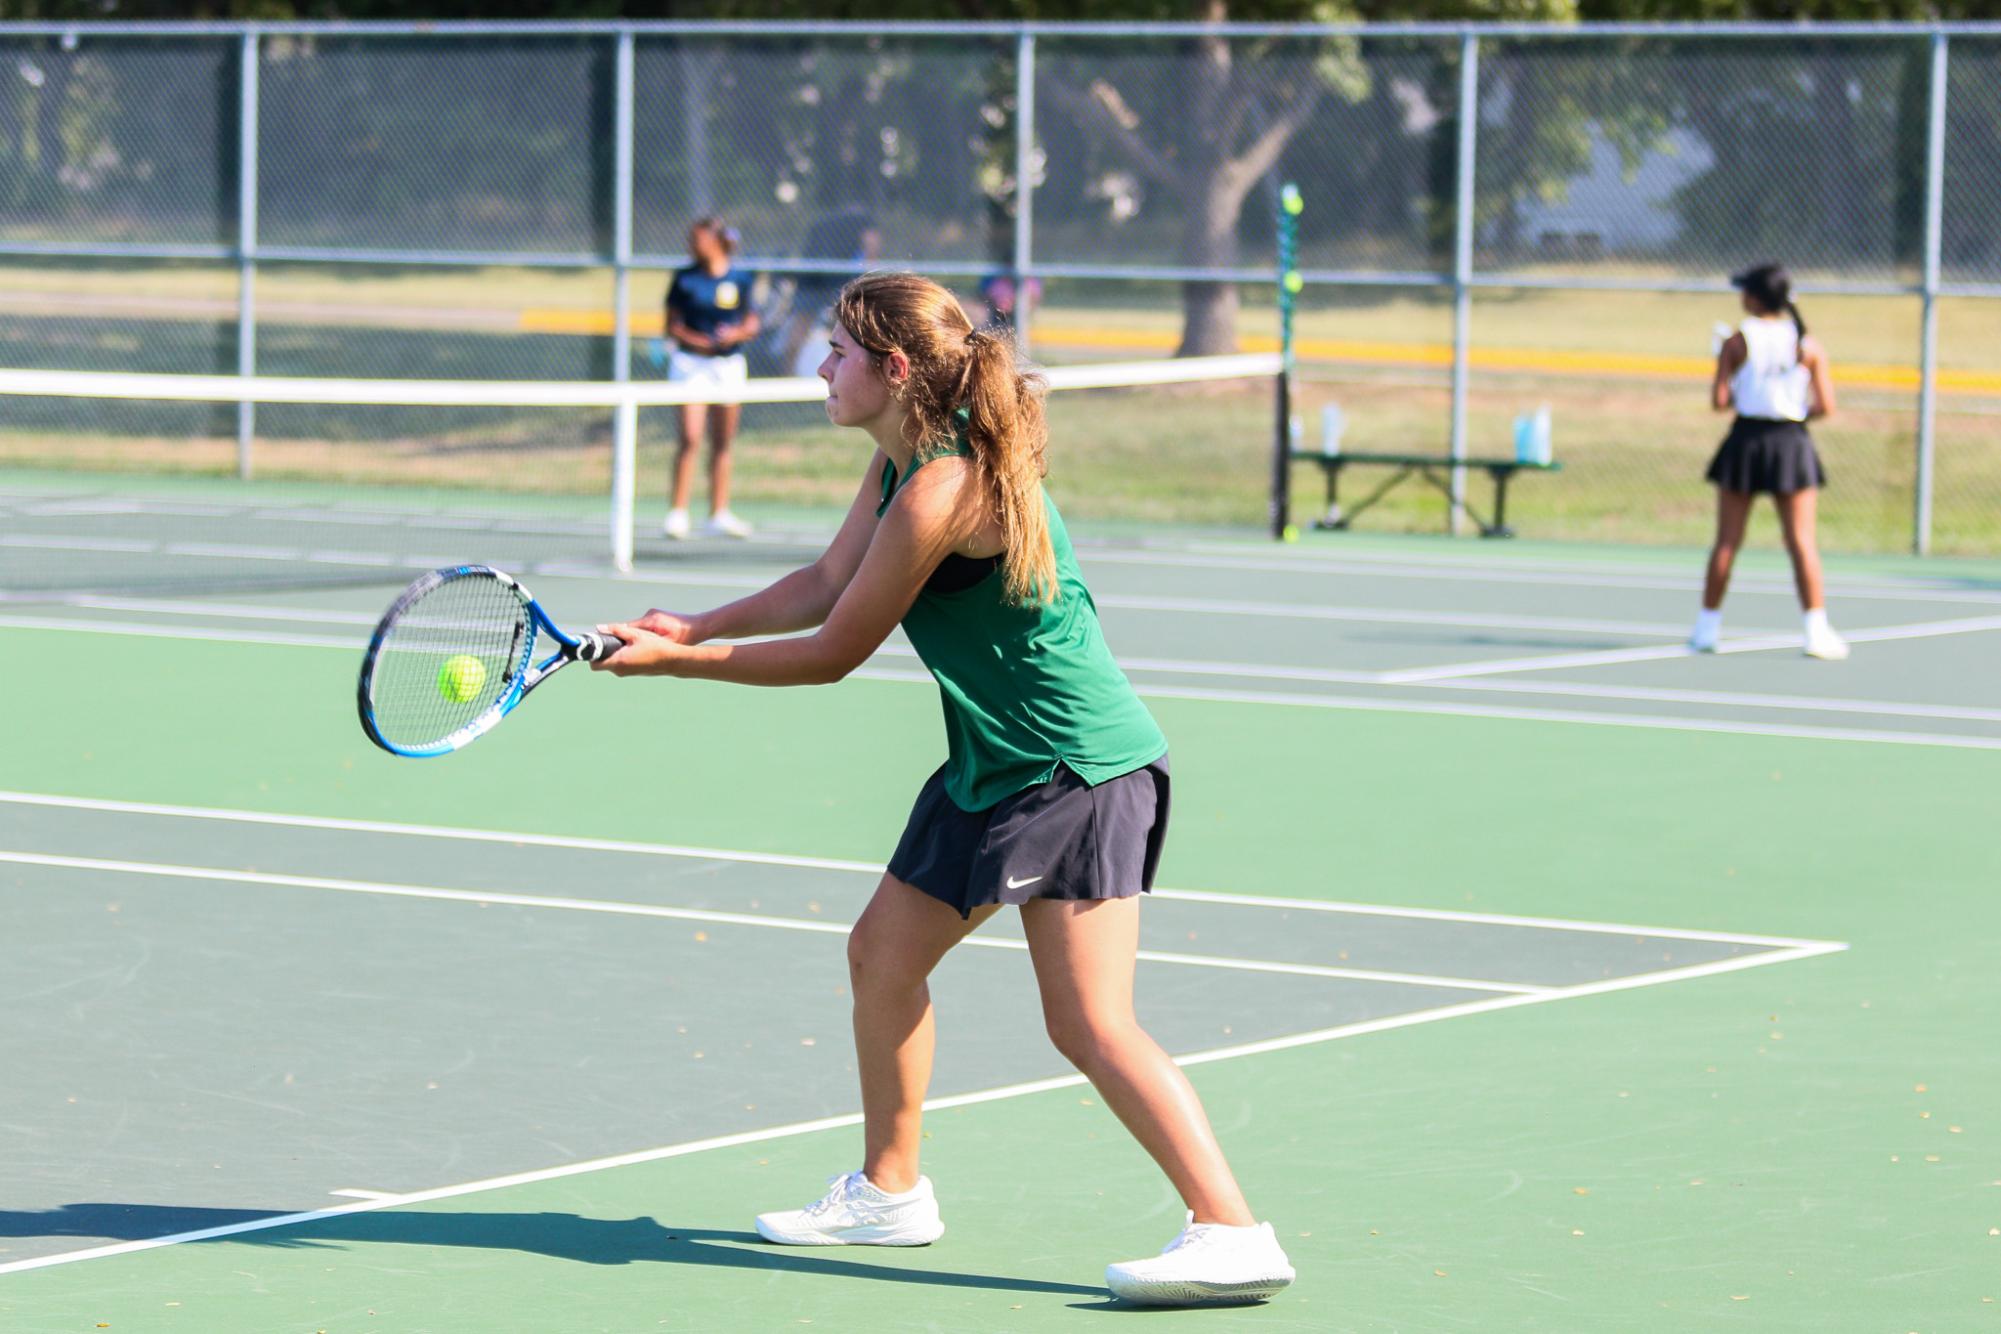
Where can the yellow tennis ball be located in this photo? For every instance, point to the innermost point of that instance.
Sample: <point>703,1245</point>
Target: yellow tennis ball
<point>1291,533</point>
<point>1294,283</point>
<point>461,678</point>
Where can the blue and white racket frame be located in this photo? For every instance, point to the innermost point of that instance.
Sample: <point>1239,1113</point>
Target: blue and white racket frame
<point>523,672</point>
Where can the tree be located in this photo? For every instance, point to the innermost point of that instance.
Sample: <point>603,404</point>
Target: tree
<point>1209,139</point>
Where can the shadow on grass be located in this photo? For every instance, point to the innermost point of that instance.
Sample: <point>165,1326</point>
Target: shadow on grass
<point>597,1241</point>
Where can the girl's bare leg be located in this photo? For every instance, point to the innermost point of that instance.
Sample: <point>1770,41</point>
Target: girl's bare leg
<point>692,416</point>
<point>1797,516</point>
<point>899,939</point>
<point>1733,513</point>
<point>1084,955</point>
<point>722,434</point>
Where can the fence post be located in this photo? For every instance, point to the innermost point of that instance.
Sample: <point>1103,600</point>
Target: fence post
<point>1462,261</point>
<point>625,416</point>
<point>246,242</point>
<point>1921,516</point>
<point>1024,182</point>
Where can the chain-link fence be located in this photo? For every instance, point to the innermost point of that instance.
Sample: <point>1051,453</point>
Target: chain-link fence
<point>503,201</point>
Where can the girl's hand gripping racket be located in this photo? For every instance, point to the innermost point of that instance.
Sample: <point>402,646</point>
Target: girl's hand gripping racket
<point>454,655</point>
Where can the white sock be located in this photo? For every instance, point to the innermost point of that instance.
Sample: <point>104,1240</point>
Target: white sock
<point>896,1196</point>
<point>1816,623</point>
<point>1708,624</point>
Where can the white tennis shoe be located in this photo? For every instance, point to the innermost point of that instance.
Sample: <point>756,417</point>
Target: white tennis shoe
<point>1827,646</point>
<point>725,524</point>
<point>676,525</point>
<point>854,1213</point>
<point>1208,1263</point>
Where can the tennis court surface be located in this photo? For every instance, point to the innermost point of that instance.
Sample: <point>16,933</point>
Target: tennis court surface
<point>1536,974</point>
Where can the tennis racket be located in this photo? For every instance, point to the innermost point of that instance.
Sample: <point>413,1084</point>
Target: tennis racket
<point>455,654</point>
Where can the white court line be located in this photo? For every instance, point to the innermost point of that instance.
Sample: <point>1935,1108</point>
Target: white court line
<point>1367,704</point>
<point>140,630</point>
<point>1854,587</point>
<point>1552,661</point>
<point>616,908</point>
<point>580,844</point>
<point>249,611</point>
<point>1290,1042</point>
<point>1727,698</point>
<point>353,1193</point>
<point>1477,620</point>
<point>1370,704</point>
<point>1751,644</point>
<point>1658,722</point>
<point>1221,607</point>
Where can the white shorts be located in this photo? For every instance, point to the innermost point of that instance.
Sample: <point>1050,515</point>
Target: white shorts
<point>689,368</point>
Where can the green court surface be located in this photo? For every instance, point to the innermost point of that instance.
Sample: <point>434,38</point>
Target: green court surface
<point>1537,975</point>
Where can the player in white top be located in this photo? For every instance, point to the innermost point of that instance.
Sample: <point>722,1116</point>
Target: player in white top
<point>1776,378</point>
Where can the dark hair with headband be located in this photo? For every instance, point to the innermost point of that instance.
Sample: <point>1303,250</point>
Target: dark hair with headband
<point>1772,288</point>
<point>726,235</point>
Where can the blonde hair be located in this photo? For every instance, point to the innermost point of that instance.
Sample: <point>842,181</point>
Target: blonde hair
<point>955,367</point>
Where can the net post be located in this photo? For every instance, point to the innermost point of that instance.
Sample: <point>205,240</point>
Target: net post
<point>1924,481</point>
<point>246,243</point>
<point>625,415</point>
<point>624,454</point>
<point>1462,265</point>
<point>1024,182</point>
<point>1290,205</point>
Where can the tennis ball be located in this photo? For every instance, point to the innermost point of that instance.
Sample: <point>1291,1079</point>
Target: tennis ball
<point>1293,282</point>
<point>460,679</point>
<point>1291,532</point>
<point>1290,198</point>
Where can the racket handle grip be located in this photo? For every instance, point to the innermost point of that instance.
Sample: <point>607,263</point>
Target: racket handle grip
<point>592,645</point>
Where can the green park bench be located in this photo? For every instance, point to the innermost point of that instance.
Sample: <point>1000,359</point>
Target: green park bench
<point>1433,468</point>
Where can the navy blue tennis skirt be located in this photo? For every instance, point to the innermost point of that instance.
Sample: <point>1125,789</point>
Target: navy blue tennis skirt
<point>1765,456</point>
<point>1062,839</point>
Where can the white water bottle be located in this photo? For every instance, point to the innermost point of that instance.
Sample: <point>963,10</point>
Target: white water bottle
<point>1541,452</point>
<point>1332,423</point>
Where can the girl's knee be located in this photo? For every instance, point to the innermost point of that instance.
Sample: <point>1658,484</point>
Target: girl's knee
<point>874,968</point>
<point>1085,1040</point>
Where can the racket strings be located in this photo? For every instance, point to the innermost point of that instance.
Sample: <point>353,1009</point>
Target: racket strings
<point>452,655</point>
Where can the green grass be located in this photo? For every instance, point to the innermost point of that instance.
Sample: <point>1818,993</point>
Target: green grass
<point>1633,445</point>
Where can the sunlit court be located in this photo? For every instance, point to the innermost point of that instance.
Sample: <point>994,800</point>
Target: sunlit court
<point>491,569</point>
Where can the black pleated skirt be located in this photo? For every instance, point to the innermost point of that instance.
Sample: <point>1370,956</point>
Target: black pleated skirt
<point>1765,456</point>
<point>1062,839</point>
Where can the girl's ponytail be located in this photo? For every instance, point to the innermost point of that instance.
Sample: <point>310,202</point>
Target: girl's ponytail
<point>1010,441</point>
<point>1798,323</point>
<point>965,381</point>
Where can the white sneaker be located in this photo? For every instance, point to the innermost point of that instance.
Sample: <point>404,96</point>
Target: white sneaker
<point>1708,630</point>
<point>1826,645</point>
<point>855,1213</point>
<point>725,524</point>
<point>676,526</point>
<point>1207,1263</point>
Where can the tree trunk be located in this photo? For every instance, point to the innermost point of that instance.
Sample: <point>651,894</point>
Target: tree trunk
<point>1209,309</point>
<point>1209,236</point>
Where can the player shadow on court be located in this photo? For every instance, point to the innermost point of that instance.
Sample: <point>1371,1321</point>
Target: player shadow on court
<point>597,1241</point>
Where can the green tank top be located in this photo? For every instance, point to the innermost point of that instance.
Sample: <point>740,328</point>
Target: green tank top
<point>1024,688</point>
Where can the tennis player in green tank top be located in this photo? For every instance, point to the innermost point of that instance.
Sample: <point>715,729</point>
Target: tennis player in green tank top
<point>1052,797</point>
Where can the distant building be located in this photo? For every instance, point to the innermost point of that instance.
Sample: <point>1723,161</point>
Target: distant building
<point>1603,210</point>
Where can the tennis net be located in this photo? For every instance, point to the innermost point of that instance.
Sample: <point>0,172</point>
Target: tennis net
<point>121,483</point>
